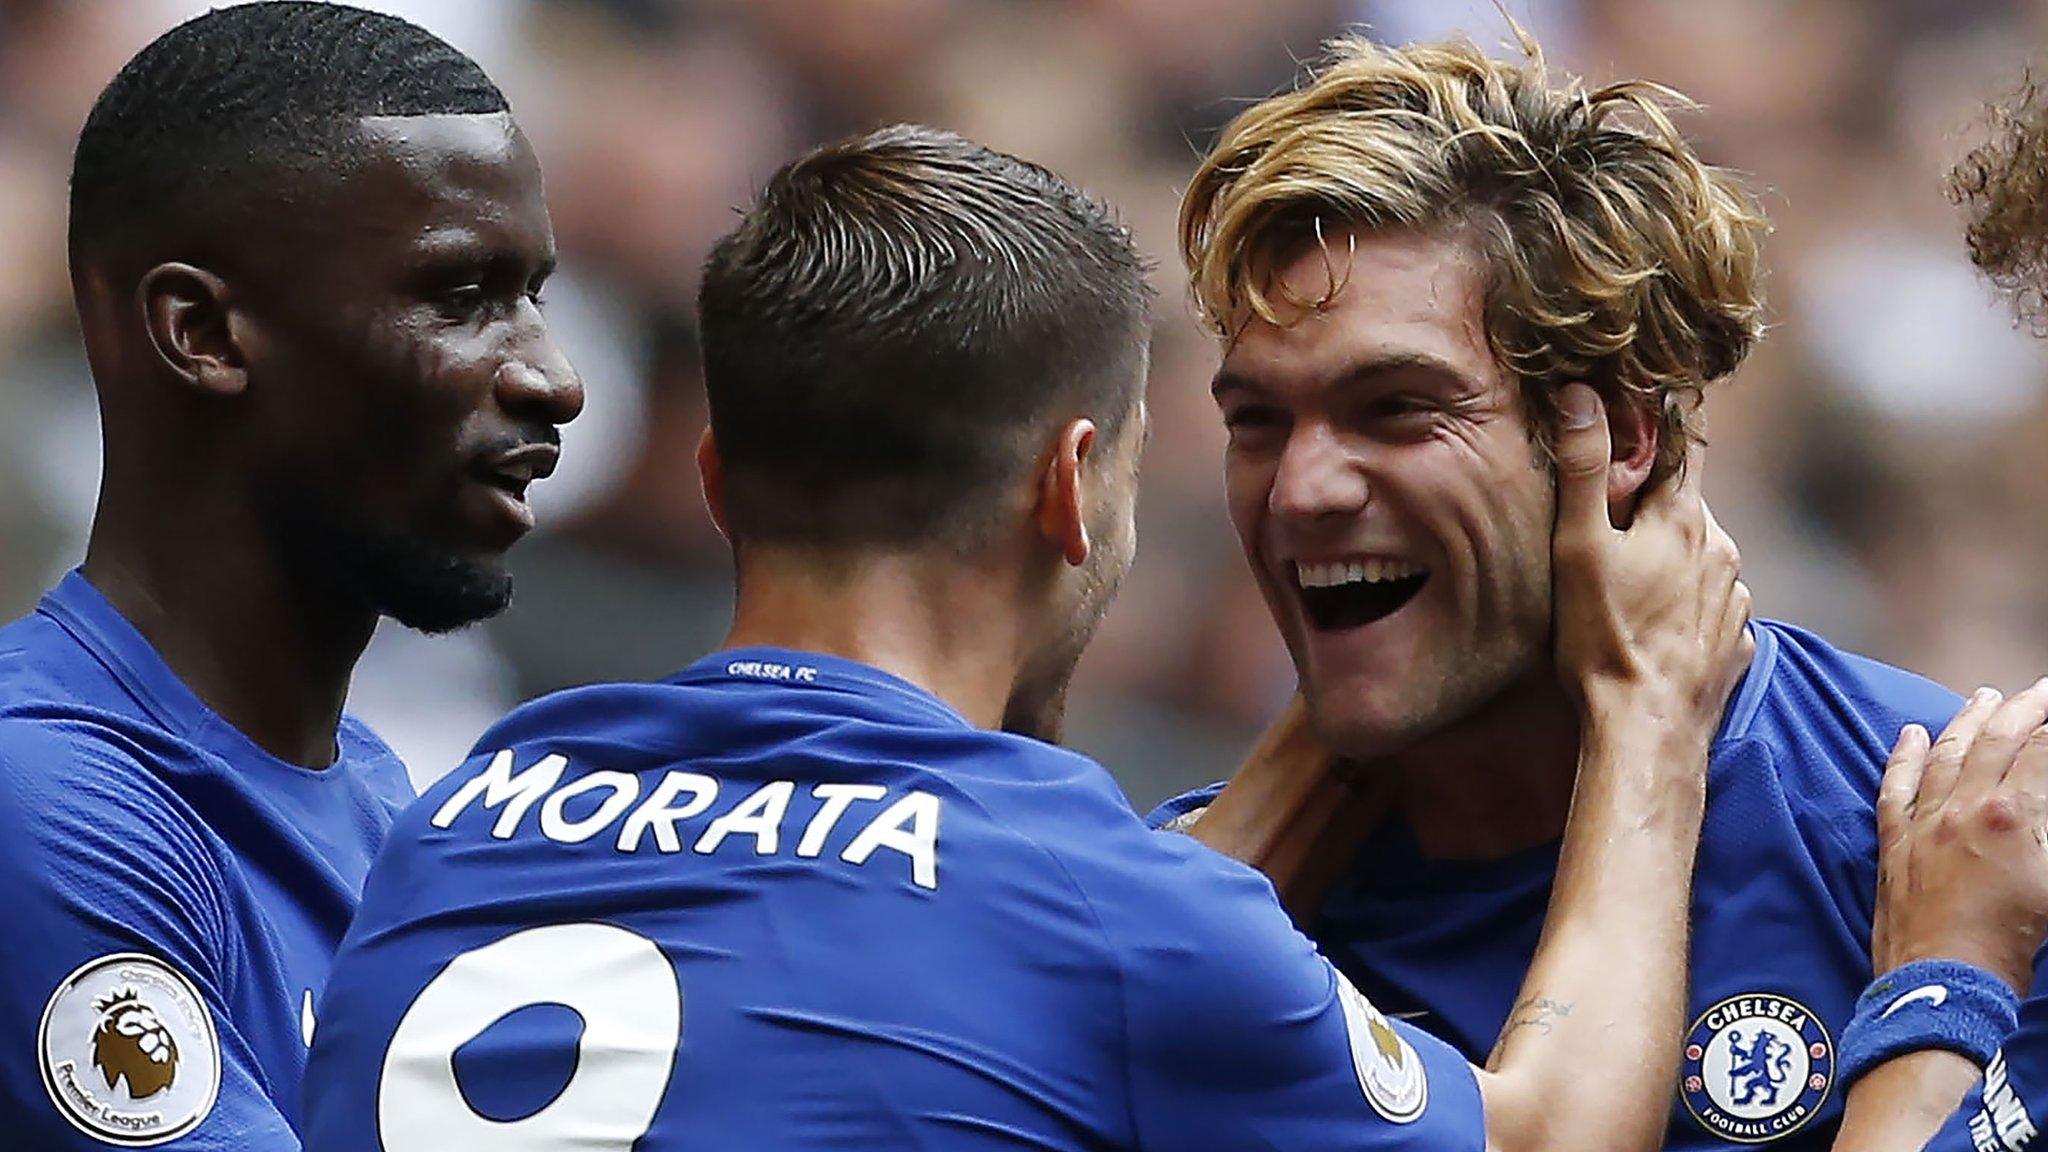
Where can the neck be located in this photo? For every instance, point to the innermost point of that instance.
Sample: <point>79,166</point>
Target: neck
<point>203,584</point>
<point>1496,782</point>
<point>936,624</point>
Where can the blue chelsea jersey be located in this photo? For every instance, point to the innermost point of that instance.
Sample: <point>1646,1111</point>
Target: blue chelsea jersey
<point>782,900</point>
<point>174,895</point>
<point>1783,896</point>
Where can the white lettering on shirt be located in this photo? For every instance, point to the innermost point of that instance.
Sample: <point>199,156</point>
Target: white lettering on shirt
<point>499,786</point>
<point>906,824</point>
<point>2002,1124</point>
<point>759,816</point>
<point>625,788</point>
<point>769,670</point>
<point>656,816</point>
<point>910,826</point>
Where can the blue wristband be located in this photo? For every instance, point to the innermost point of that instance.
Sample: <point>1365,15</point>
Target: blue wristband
<point>1928,1004</point>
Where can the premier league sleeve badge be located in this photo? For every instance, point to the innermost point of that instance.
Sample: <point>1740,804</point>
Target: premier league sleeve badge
<point>129,1052</point>
<point>1756,1067</point>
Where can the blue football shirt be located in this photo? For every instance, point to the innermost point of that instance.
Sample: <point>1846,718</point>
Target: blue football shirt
<point>174,895</point>
<point>782,900</point>
<point>1783,897</point>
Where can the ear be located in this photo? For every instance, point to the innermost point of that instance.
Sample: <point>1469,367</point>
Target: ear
<point>1635,434</point>
<point>711,474</point>
<point>192,323</point>
<point>1060,514</point>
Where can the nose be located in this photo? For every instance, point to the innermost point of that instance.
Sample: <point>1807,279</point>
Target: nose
<point>1317,477</point>
<point>538,383</point>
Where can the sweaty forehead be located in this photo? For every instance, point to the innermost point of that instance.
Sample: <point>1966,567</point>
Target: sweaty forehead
<point>1400,297</point>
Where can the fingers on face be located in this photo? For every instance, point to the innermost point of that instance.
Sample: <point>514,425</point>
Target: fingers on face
<point>1583,455</point>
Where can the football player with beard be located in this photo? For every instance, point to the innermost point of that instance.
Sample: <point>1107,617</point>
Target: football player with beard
<point>306,246</point>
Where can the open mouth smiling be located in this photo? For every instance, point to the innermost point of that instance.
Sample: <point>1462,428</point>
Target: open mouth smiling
<point>1352,593</point>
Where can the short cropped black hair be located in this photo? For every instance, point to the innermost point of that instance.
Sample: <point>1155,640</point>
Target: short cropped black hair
<point>894,328</point>
<point>209,109</point>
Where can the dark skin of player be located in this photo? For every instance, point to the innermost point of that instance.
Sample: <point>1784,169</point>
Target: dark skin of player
<point>371,341</point>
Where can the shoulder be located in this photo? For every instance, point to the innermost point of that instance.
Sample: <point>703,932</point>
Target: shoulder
<point>73,767</point>
<point>83,775</point>
<point>28,645</point>
<point>1822,715</point>
<point>1803,748</point>
<point>1156,892</point>
<point>620,717</point>
<point>1801,686</point>
<point>45,669</point>
<point>94,844</point>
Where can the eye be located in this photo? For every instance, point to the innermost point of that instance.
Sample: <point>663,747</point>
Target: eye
<point>534,291</point>
<point>1399,405</point>
<point>462,301</point>
<point>1401,414</point>
<point>1253,422</point>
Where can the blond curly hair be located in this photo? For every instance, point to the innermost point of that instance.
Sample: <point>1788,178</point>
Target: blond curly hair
<point>1614,255</point>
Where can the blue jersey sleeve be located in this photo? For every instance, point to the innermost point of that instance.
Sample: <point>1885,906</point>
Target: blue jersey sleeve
<point>112,965</point>
<point>2004,1112</point>
<point>1243,1037</point>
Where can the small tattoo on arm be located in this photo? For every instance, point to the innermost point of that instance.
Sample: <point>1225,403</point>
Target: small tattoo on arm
<point>1536,1012</point>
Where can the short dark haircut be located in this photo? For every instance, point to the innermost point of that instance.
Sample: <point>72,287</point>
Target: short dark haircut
<point>211,108</point>
<point>894,328</point>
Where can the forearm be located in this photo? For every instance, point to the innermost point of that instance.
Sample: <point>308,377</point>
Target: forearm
<point>1288,813</point>
<point>1902,1103</point>
<point>1587,1059</point>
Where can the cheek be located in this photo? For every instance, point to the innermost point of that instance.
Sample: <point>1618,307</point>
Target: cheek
<point>437,388</point>
<point>1247,484</point>
<point>1489,497</point>
<point>1510,543</point>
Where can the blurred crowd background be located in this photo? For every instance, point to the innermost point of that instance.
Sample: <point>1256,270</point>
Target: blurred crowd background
<point>1874,458</point>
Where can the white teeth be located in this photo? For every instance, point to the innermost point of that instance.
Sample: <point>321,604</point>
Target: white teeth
<point>1372,569</point>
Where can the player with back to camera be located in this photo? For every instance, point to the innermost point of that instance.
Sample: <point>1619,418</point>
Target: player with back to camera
<point>305,242</point>
<point>834,885</point>
<point>1409,261</point>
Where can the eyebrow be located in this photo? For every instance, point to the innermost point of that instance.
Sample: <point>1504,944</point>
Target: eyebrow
<point>451,257</point>
<point>1361,372</point>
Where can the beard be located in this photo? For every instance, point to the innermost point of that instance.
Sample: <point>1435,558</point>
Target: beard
<point>1037,706</point>
<point>425,587</point>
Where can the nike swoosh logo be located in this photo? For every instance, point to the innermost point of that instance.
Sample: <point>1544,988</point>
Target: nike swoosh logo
<point>1934,994</point>
<point>1409,1017</point>
<point>306,1018</point>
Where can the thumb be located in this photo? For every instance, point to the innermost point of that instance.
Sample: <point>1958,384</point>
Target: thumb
<point>1583,453</point>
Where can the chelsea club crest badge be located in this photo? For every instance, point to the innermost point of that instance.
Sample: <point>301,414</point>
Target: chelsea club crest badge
<point>1757,1067</point>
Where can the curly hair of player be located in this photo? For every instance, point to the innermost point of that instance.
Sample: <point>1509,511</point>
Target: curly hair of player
<point>2002,185</point>
<point>1614,256</point>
